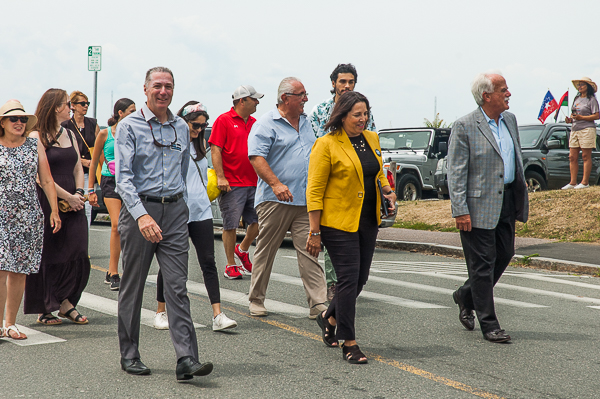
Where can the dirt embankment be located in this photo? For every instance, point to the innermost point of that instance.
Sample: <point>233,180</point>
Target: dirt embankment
<point>565,215</point>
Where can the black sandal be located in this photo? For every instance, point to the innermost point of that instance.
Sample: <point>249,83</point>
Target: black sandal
<point>77,319</point>
<point>328,331</point>
<point>352,354</point>
<point>47,317</point>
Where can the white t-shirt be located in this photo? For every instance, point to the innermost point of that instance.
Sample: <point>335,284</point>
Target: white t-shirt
<point>197,198</point>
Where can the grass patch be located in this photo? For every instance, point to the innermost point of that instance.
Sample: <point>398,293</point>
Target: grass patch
<point>416,226</point>
<point>552,215</point>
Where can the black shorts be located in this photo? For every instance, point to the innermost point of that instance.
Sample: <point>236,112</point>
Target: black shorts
<point>108,186</point>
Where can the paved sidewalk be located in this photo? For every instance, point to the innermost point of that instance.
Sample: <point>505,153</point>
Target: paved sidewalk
<point>552,255</point>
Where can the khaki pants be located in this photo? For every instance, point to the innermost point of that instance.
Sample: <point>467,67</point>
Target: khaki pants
<point>274,220</point>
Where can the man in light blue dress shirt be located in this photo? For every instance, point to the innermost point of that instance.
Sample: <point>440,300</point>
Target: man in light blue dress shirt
<point>279,148</point>
<point>152,157</point>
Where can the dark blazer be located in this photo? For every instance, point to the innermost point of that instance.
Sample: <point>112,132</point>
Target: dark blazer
<point>476,171</point>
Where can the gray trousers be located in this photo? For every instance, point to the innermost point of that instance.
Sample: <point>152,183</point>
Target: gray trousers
<point>172,256</point>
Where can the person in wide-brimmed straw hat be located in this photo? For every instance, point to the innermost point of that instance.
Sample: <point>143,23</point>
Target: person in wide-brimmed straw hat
<point>583,133</point>
<point>14,108</point>
<point>585,80</point>
<point>21,219</point>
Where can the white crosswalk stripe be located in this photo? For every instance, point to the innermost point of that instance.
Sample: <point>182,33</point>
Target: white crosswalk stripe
<point>34,337</point>
<point>392,300</point>
<point>241,298</point>
<point>110,307</point>
<point>424,287</point>
<point>447,291</point>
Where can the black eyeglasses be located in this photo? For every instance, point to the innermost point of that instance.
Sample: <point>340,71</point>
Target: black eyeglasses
<point>14,119</point>
<point>156,143</point>
<point>301,95</point>
<point>83,103</point>
<point>199,126</point>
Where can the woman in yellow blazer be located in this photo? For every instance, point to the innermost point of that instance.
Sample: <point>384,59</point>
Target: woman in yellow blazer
<point>344,210</point>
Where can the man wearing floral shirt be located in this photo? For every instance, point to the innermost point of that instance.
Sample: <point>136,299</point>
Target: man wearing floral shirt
<point>343,79</point>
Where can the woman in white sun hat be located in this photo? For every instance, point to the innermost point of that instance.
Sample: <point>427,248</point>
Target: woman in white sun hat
<point>21,217</point>
<point>583,133</point>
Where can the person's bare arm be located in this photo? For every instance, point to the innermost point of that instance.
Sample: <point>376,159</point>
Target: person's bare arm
<point>589,118</point>
<point>98,148</point>
<point>313,243</point>
<point>47,184</point>
<point>217,160</point>
<point>263,170</point>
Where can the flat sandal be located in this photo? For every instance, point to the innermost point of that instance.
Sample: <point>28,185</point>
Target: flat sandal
<point>328,332</point>
<point>352,354</point>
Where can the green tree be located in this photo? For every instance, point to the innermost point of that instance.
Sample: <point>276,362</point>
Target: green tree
<point>437,122</point>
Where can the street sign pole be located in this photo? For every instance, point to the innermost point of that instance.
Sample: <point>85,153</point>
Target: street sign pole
<point>95,64</point>
<point>95,91</point>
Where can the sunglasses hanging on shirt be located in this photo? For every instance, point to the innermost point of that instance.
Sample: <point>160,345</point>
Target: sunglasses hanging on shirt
<point>156,143</point>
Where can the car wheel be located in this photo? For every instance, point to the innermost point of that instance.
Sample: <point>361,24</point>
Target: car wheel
<point>535,182</point>
<point>408,188</point>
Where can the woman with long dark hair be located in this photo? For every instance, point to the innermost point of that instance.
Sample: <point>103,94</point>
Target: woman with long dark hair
<point>105,148</point>
<point>200,223</point>
<point>86,130</point>
<point>21,218</point>
<point>65,265</point>
<point>583,132</point>
<point>344,212</point>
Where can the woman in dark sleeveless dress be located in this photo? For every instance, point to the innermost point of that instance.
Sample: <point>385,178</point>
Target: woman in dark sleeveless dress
<point>65,266</point>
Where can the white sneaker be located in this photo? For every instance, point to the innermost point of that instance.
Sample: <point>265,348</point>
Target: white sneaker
<point>161,322</point>
<point>568,187</point>
<point>222,322</point>
<point>577,187</point>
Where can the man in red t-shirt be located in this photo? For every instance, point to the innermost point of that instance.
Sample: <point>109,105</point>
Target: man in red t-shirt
<point>236,177</point>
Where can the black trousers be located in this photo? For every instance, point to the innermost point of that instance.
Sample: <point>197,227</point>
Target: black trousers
<point>351,255</point>
<point>488,253</point>
<point>203,238</point>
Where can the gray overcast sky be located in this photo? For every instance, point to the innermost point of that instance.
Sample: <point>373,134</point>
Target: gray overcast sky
<point>406,52</point>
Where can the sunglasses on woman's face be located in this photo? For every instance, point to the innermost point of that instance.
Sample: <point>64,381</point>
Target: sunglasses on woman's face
<point>199,126</point>
<point>14,119</point>
<point>83,103</point>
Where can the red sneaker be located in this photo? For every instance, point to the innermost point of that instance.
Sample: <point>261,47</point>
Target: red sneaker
<point>232,272</point>
<point>244,258</point>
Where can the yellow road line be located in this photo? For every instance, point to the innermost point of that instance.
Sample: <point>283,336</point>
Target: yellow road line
<point>373,356</point>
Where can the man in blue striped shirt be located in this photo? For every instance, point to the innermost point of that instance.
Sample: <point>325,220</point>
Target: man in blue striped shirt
<point>152,157</point>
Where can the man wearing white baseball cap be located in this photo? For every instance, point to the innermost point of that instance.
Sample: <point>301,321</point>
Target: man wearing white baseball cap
<point>236,177</point>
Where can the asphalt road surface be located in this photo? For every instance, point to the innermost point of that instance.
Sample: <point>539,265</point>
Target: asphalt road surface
<point>407,324</point>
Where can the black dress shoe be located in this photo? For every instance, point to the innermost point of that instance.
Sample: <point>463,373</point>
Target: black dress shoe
<point>134,366</point>
<point>466,317</point>
<point>497,336</point>
<point>188,368</point>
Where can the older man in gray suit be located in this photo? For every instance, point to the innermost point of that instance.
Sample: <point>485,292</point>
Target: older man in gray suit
<point>488,193</point>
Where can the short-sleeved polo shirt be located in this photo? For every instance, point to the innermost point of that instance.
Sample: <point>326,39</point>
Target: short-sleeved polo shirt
<point>230,133</point>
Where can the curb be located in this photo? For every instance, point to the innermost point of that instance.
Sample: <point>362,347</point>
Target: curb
<point>517,260</point>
